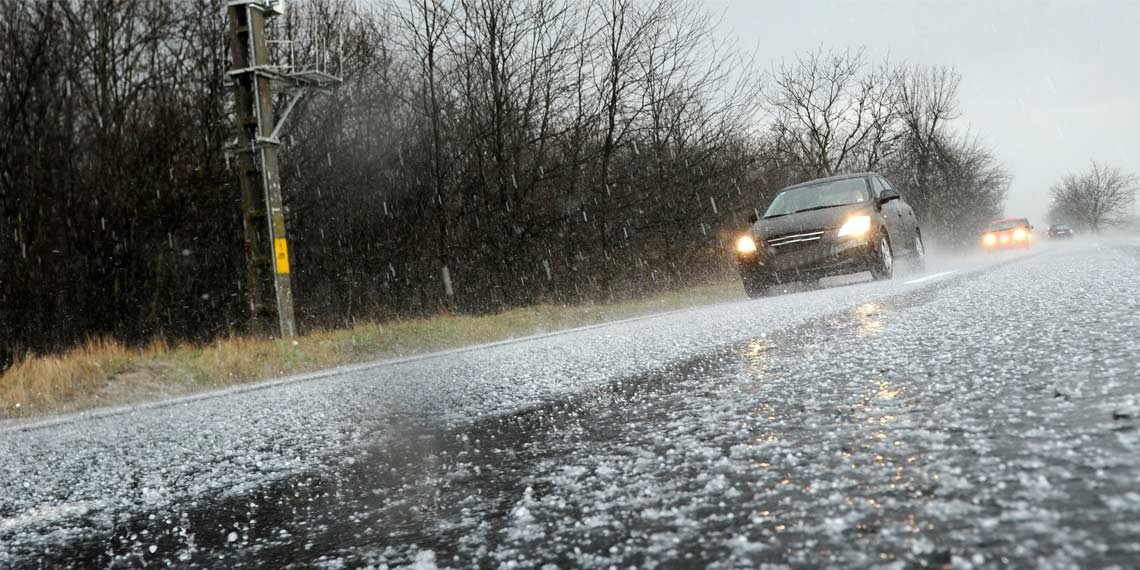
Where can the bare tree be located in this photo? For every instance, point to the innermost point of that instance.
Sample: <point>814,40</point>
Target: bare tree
<point>427,25</point>
<point>1098,198</point>
<point>927,102</point>
<point>965,188</point>
<point>830,110</point>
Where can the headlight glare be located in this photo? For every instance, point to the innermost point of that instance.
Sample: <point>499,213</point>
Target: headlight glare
<point>855,226</point>
<point>745,244</point>
<point>1019,234</point>
<point>989,239</point>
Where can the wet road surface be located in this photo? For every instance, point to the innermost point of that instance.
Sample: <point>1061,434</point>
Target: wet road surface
<point>986,416</point>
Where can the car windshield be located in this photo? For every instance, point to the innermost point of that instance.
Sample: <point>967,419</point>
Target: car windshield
<point>1004,225</point>
<point>1060,227</point>
<point>818,196</point>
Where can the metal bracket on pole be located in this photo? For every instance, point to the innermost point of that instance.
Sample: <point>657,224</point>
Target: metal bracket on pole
<point>296,96</point>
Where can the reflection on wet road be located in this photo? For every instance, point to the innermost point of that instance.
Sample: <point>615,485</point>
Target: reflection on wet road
<point>982,421</point>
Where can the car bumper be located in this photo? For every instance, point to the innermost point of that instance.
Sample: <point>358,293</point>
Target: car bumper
<point>1012,244</point>
<point>826,257</point>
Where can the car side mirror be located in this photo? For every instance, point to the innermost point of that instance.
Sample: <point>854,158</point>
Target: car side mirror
<point>888,195</point>
<point>753,218</point>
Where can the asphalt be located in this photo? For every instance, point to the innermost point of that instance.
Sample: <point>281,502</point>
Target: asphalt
<point>981,413</point>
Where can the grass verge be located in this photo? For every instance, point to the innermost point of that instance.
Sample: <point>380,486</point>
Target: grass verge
<point>104,372</point>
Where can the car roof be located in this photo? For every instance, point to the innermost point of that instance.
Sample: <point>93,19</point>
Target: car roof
<point>829,179</point>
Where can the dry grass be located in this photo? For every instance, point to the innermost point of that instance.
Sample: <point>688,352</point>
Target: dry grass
<point>104,372</point>
<point>37,381</point>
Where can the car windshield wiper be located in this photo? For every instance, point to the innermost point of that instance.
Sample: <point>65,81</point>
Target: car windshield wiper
<point>807,210</point>
<point>820,208</point>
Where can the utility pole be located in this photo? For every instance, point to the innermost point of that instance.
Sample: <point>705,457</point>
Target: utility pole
<point>267,281</point>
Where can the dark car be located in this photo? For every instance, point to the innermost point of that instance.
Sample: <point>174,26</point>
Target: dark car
<point>1007,233</point>
<point>1060,231</point>
<point>829,226</point>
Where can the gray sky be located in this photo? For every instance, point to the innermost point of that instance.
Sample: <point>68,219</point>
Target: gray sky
<point>1048,85</point>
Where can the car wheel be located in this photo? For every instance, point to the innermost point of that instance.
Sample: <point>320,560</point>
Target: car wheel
<point>755,287</point>
<point>918,261</point>
<point>883,260</point>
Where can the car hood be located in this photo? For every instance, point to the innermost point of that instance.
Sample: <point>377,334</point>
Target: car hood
<point>804,222</point>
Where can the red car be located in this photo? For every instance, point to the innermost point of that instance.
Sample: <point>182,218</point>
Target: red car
<point>1007,233</point>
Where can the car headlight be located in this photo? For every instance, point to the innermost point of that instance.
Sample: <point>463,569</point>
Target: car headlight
<point>1019,234</point>
<point>855,226</point>
<point>989,239</point>
<point>746,245</point>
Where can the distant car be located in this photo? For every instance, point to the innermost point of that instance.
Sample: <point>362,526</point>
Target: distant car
<point>829,226</point>
<point>1007,233</point>
<point>1060,231</point>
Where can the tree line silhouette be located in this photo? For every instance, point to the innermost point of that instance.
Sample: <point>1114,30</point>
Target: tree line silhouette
<point>479,155</point>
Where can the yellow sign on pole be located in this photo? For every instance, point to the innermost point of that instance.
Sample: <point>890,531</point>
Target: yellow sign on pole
<point>281,249</point>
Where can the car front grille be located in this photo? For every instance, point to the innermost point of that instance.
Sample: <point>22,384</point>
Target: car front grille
<point>794,241</point>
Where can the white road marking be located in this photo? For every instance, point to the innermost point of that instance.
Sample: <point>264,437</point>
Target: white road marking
<point>929,277</point>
